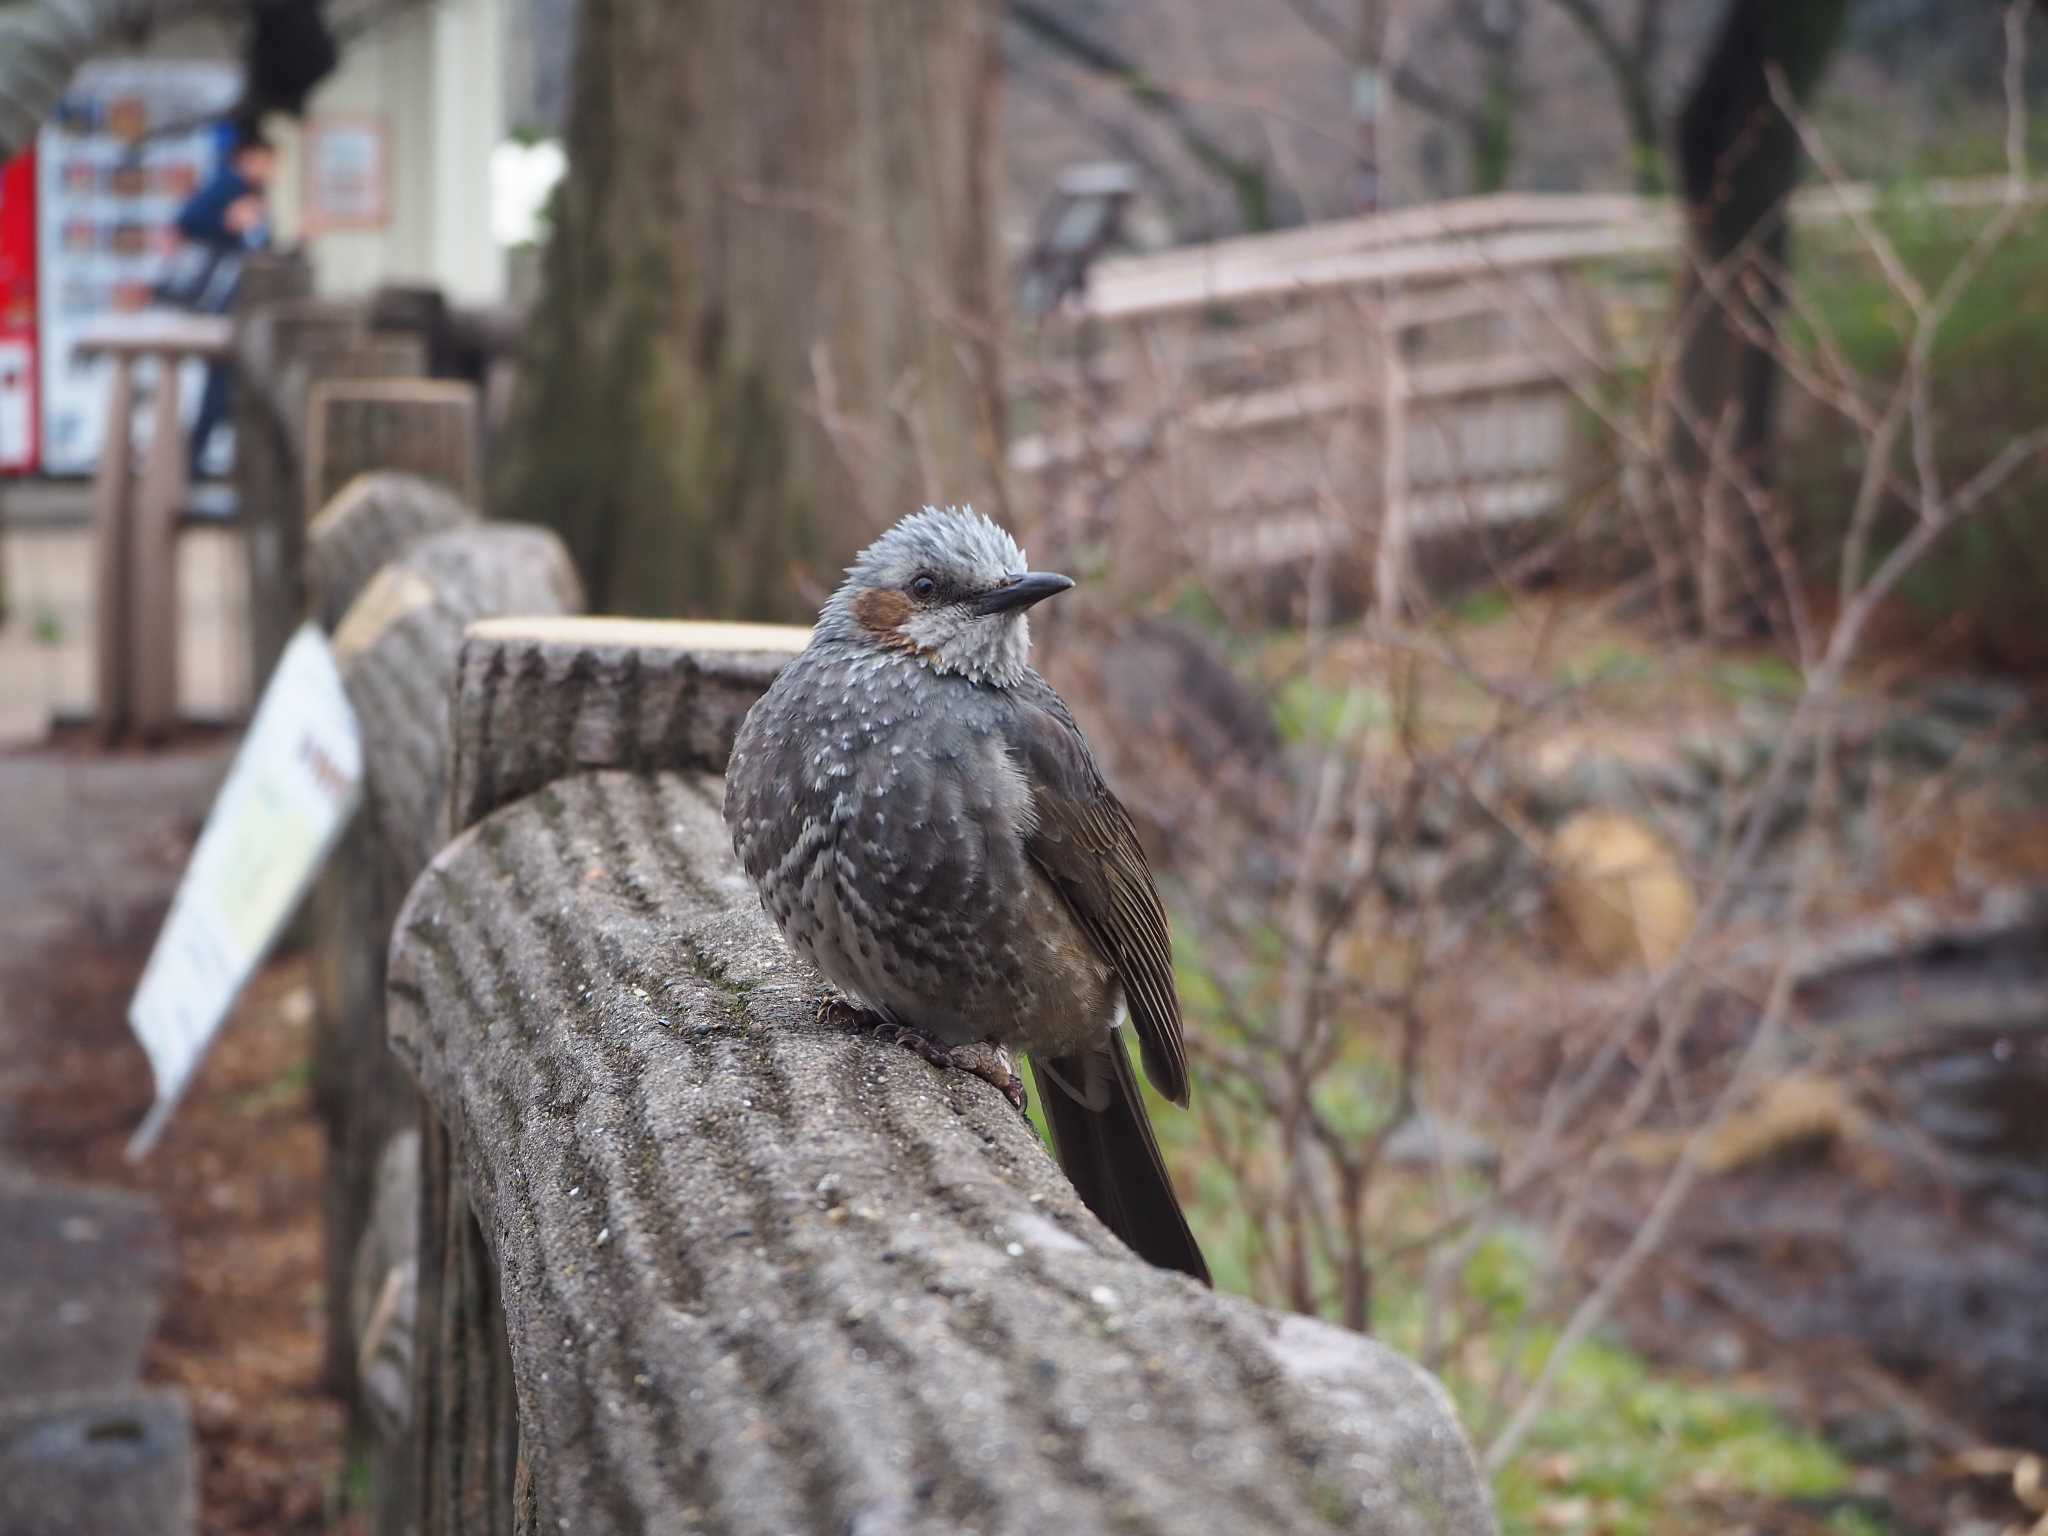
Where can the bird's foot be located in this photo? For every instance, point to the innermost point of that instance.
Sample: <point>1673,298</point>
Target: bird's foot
<point>991,1063</point>
<point>985,1059</point>
<point>836,1011</point>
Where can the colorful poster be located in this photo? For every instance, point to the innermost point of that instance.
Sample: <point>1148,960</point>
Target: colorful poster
<point>130,140</point>
<point>346,172</point>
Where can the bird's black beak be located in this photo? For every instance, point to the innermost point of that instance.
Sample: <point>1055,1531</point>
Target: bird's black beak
<point>1022,592</point>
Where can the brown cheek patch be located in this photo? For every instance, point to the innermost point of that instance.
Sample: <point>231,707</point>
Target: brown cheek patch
<point>882,610</point>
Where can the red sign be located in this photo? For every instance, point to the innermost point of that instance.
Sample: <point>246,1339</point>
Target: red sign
<point>18,425</point>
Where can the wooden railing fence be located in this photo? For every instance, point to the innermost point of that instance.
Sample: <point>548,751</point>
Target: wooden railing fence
<point>324,389</point>
<point>1359,386</point>
<point>623,1240</point>
<point>396,641</point>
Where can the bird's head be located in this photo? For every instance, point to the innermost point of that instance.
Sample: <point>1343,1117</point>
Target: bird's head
<point>948,586</point>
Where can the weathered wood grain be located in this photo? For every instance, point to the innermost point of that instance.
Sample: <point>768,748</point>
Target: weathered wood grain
<point>372,520</point>
<point>425,426</point>
<point>396,648</point>
<point>756,1275</point>
<point>539,699</point>
<point>384,1294</point>
<point>465,1469</point>
<point>383,1321</point>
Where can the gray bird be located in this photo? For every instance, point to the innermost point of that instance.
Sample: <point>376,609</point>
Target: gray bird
<point>927,827</point>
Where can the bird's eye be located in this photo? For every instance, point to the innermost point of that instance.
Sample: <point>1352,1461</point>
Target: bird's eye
<point>923,587</point>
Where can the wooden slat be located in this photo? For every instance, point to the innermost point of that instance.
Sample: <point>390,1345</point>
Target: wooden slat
<point>1253,267</point>
<point>113,494</point>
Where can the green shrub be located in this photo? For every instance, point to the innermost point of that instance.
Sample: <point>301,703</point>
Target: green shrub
<point>1988,579</point>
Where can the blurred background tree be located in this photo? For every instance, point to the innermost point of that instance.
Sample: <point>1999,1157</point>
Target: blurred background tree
<point>743,306</point>
<point>1739,158</point>
<point>770,365</point>
<point>1526,932</point>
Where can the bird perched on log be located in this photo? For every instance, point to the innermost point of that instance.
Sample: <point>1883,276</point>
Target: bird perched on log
<point>928,828</point>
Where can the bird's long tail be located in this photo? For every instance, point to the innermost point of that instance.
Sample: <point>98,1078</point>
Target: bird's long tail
<point>1104,1142</point>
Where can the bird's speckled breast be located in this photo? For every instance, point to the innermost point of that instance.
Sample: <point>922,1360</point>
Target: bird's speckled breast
<point>883,818</point>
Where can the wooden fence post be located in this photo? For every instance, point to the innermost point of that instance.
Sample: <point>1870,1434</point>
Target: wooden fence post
<point>1393,568</point>
<point>373,519</point>
<point>284,348</point>
<point>397,646</point>
<point>692,1261</point>
<point>425,426</point>
<point>275,313</point>
<point>113,554</point>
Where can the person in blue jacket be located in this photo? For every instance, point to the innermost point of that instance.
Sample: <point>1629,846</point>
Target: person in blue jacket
<point>225,219</point>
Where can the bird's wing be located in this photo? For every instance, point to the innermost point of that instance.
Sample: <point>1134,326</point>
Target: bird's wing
<point>769,807</point>
<point>1085,844</point>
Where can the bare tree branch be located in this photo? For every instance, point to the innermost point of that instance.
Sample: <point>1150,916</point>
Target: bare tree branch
<point>1054,87</point>
<point>1323,24</point>
<point>1245,178</point>
<point>1433,99</point>
<point>1631,65</point>
<point>1592,20</point>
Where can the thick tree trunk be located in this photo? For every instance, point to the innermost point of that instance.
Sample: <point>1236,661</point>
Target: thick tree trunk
<point>1738,159</point>
<point>770,312</point>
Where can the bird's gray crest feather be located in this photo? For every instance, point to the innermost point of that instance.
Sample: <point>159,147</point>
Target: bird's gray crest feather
<point>941,535</point>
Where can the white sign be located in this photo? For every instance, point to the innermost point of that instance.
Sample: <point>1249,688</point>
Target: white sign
<point>292,789</point>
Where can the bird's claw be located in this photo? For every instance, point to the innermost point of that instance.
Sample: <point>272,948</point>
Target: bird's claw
<point>991,1063</point>
<point>836,1012</point>
<point>985,1060</point>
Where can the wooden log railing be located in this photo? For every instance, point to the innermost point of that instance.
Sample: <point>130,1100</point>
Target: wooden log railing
<point>425,426</point>
<point>286,341</point>
<point>266,464</point>
<point>374,518</point>
<point>399,568</point>
<point>1390,385</point>
<point>691,1261</point>
<point>287,344</point>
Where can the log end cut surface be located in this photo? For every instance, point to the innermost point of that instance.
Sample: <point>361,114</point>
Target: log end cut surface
<point>541,698</point>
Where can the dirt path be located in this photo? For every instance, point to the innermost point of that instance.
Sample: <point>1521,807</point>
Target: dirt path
<point>90,850</point>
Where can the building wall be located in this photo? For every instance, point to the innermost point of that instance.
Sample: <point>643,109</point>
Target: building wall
<point>435,74</point>
<point>435,77</point>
